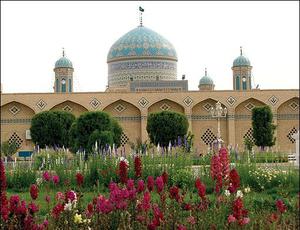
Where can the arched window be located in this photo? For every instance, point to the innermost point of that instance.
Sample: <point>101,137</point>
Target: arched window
<point>63,85</point>
<point>70,86</point>
<point>244,85</point>
<point>57,86</point>
<point>237,83</point>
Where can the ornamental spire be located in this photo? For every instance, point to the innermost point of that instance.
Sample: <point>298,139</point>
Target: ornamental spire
<point>241,50</point>
<point>141,10</point>
<point>63,52</point>
<point>205,71</point>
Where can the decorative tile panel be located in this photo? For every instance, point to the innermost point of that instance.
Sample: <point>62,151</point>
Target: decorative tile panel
<point>143,102</point>
<point>14,110</point>
<point>294,105</point>
<point>208,137</point>
<point>207,107</point>
<point>273,100</point>
<point>95,103</point>
<point>231,101</point>
<point>188,101</point>
<point>291,133</point>
<point>67,108</point>
<point>165,107</point>
<point>120,108</point>
<point>249,106</point>
<point>41,104</point>
<point>15,139</point>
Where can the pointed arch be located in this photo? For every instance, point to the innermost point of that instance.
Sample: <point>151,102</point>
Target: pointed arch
<point>165,104</point>
<point>70,106</point>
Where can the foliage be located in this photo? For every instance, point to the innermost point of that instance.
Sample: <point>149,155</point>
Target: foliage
<point>90,122</point>
<point>103,138</point>
<point>51,128</point>
<point>8,149</point>
<point>248,144</point>
<point>263,129</point>
<point>166,126</point>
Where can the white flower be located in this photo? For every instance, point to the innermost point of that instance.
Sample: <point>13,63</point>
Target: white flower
<point>227,193</point>
<point>239,193</point>
<point>39,181</point>
<point>68,206</point>
<point>124,159</point>
<point>247,189</point>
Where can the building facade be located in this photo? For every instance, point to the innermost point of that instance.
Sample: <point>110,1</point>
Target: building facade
<point>142,78</point>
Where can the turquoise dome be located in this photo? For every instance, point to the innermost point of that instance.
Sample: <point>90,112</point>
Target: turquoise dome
<point>241,61</point>
<point>141,42</point>
<point>206,80</point>
<point>63,62</point>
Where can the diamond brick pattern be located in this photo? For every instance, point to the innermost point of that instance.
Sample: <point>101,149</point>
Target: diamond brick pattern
<point>15,139</point>
<point>14,110</point>
<point>188,101</point>
<point>290,134</point>
<point>120,108</point>
<point>231,101</point>
<point>208,137</point>
<point>207,107</point>
<point>41,104</point>
<point>143,102</point>
<point>294,105</point>
<point>95,103</point>
<point>67,108</point>
<point>124,139</point>
<point>249,106</point>
<point>165,107</point>
<point>273,100</point>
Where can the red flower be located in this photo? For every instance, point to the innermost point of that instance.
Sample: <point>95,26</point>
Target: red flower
<point>130,184</point>
<point>201,188</point>
<point>165,177</point>
<point>14,202</point>
<point>59,208</point>
<point>47,198</point>
<point>234,181</point>
<point>123,169</point>
<point>89,210</point>
<point>158,215</point>
<point>174,193</point>
<point>140,186</point>
<point>34,191</point>
<point>46,176</point>
<point>59,196</point>
<point>216,172</point>
<point>32,208</point>
<point>273,217</point>
<point>181,227</point>
<point>138,166</point>
<point>146,202</point>
<point>55,179</point>
<point>79,179</point>
<point>4,210</point>
<point>2,177</point>
<point>281,207</point>
<point>21,209</point>
<point>224,162</point>
<point>244,221</point>
<point>187,207</point>
<point>150,183</point>
<point>70,196</point>
<point>159,182</point>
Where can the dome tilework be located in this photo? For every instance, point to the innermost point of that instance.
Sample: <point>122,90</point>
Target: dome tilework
<point>206,80</point>
<point>63,62</point>
<point>141,42</point>
<point>241,61</point>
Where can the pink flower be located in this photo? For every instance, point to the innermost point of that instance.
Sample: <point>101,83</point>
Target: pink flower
<point>281,207</point>
<point>174,193</point>
<point>34,191</point>
<point>14,202</point>
<point>55,179</point>
<point>201,188</point>
<point>46,176</point>
<point>150,183</point>
<point>137,167</point>
<point>181,227</point>
<point>244,221</point>
<point>165,177</point>
<point>103,205</point>
<point>140,186</point>
<point>59,196</point>
<point>46,223</point>
<point>47,198</point>
<point>123,171</point>
<point>159,182</point>
<point>224,162</point>
<point>146,203</point>
<point>234,180</point>
<point>216,172</point>
<point>32,208</point>
<point>231,219</point>
<point>59,208</point>
<point>21,209</point>
<point>71,195</point>
<point>130,184</point>
<point>191,220</point>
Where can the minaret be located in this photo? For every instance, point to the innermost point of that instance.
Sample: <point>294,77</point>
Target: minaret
<point>241,69</point>
<point>63,75</point>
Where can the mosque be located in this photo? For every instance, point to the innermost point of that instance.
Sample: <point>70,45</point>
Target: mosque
<point>142,78</point>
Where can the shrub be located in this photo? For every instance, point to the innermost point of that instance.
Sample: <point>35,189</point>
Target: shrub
<point>166,126</point>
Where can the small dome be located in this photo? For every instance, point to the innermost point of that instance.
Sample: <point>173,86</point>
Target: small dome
<point>63,62</point>
<point>206,80</point>
<point>241,60</point>
<point>141,42</point>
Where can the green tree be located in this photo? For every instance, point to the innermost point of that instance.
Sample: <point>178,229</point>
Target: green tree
<point>102,137</point>
<point>91,125</point>
<point>51,128</point>
<point>263,129</point>
<point>166,126</point>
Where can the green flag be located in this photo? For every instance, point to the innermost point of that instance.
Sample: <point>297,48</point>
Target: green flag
<point>141,9</point>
